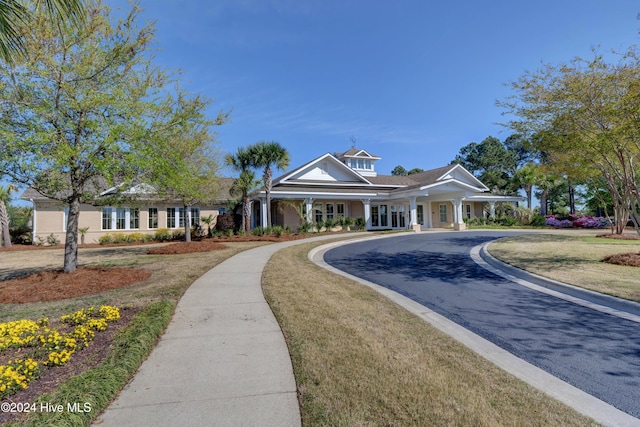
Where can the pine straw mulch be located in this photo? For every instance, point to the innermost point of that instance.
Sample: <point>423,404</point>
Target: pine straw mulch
<point>51,285</point>
<point>630,259</point>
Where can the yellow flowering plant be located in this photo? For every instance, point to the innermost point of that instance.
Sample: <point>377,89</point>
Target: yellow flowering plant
<point>55,346</point>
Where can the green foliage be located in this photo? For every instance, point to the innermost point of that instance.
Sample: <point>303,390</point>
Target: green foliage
<point>52,240</point>
<point>360,223</point>
<point>97,113</point>
<point>162,235</point>
<point>490,161</point>
<point>277,230</point>
<point>305,227</point>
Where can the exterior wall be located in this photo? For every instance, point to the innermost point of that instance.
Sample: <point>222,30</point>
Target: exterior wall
<point>50,218</point>
<point>435,214</point>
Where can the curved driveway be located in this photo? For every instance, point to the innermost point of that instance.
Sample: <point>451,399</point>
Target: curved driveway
<point>594,351</point>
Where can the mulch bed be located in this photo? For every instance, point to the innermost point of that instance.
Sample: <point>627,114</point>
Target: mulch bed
<point>627,259</point>
<point>50,285</point>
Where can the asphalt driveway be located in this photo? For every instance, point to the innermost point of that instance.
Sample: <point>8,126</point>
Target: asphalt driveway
<point>596,352</point>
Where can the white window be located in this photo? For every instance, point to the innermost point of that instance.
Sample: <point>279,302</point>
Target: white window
<point>468,211</point>
<point>120,218</point>
<point>340,209</point>
<point>153,217</point>
<point>443,213</point>
<point>195,217</point>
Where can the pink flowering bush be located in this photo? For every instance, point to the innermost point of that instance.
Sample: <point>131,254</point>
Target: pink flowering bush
<point>577,221</point>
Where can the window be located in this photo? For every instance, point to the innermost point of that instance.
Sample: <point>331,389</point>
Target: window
<point>394,216</point>
<point>106,218</point>
<point>384,221</point>
<point>354,163</point>
<point>340,209</point>
<point>403,223</point>
<point>374,216</point>
<point>222,211</point>
<point>171,218</point>
<point>153,217</point>
<point>195,217</point>
<point>367,164</point>
<point>134,218</point>
<point>317,212</point>
<point>420,210</point>
<point>360,164</point>
<point>329,210</point>
<point>181,217</point>
<point>120,218</point>
<point>468,211</point>
<point>443,213</point>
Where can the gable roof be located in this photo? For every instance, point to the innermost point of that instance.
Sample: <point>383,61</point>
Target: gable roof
<point>355,152</point>
<point>314,171</point>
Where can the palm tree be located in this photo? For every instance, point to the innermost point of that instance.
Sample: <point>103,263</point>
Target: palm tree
<point>5,195</point>
<point>13,13</point>
<point>265,154</point>
<point>245,184</point>
<point>525,178</point>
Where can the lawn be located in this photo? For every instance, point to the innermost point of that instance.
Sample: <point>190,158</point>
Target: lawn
<point>358,358</point>
<point>574,257</point>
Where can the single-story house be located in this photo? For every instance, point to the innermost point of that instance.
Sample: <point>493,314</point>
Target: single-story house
<point>330,186</point>
<point>145,213</point>
<point>347,184</point>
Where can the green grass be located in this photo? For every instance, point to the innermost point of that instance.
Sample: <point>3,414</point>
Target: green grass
<point>360,359</point>
<point>574,257</point>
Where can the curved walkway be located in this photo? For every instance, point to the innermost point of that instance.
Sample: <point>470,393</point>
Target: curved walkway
<point>222,361</point>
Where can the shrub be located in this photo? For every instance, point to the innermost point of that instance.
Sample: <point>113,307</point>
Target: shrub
<point>330,224</point>
<point>21,235</point>
<point>162,235</point>
<point>177,234</point>
<point>305,227</point>
<point>52,240</point>
<point>360,223</point>
<point>277,230</point>
<point>105,239</point>
<point>258,231</point>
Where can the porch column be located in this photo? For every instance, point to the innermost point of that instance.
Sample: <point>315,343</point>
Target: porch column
<point>513,209</point>
<point>367,213</point>
<point>492,209</point>
<point>413,214</point>
<point>263,212</point>
<point>459,220</point>
<point>309,204</point>
<point>428,215</point>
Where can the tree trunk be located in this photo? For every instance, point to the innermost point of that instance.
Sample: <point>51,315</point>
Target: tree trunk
<point>572,199</point>
<point>543,203</point>
<point>71,238</point>
<point>268,180</point>
<point>246,214</point>
<point>187,225</point>
<point>528,189</point>
<point>4,224</point>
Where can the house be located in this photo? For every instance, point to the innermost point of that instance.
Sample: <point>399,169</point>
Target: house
<point>145,213</point>
<point>347,184</point>
<point>328,187</point>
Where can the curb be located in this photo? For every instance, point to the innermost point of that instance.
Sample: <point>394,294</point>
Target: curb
<point>626,309</point>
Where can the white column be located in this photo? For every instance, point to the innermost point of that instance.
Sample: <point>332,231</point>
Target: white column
<point>367,213</point>
<point>492,209</point>
<point>459,219</point>
<point>263,212</point>
<point>413,210</point>
<point>309,203</point>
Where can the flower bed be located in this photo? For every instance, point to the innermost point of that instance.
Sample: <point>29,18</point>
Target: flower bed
<point>46,347</point>
<point>576,221</point>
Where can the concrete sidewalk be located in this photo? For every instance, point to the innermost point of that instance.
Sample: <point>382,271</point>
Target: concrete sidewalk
<point>222,361</point>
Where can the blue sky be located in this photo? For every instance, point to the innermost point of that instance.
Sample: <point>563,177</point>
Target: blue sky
<point>412,81</point>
